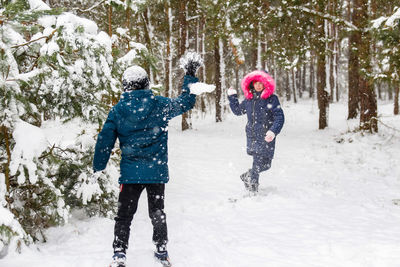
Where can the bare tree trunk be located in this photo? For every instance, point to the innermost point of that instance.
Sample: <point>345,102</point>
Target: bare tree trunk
<point>182,49</point>
<point>396,101</point>
<point>263,49</point>
<point>354,67</point>
<point>255,47</point>
<point>294,85</point>
<point>337,65</point>
<point>379,88</point>
<point>167,82</point>
<point>322,95</point>
<point>312,76</point>
<point>287,86</point>
<point>368,102</point>
<point>303,81</point>
<point>203,47</point>
<point>390,91</point>
<point>331,68</point>
<point>109,20</point>
<point>218,109</point>
<point>8,151</point>
<point>147,37</point>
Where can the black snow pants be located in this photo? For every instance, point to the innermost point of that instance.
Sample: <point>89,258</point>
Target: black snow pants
<point>127,205</point>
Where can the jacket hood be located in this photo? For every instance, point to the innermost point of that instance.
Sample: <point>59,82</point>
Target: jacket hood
<point>136,105</point>
<point>258,76</point>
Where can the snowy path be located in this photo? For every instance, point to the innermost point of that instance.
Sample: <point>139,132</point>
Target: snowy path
<point>323,203</point>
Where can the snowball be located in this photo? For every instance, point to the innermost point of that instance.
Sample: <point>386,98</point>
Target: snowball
<point>199,88</point>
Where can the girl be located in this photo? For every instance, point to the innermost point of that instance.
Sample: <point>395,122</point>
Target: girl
<point>265,120</point>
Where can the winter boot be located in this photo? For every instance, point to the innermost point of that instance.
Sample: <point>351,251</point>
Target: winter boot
<point>163,258</point>
<point>245,177</point>
<point>253,186</point>
<point>118,260</point>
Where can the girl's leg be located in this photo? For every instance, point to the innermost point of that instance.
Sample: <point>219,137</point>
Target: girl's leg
<point>127,206</point>
<point>260,164</point>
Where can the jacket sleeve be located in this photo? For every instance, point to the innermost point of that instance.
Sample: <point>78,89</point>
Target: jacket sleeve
<point>184,102</point>
<point>237,109</point>
<point>105,143</point>
<point>279,117</point>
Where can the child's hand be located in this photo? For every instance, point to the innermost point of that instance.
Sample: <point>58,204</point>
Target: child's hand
<point>232,91</point>
<point>190,63</point>
<point>269,136</point>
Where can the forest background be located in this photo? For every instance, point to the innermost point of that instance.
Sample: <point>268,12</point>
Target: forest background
<point>61,61</point>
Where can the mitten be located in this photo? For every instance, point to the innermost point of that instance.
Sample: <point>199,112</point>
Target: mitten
<point>232,91</point>
<point>190,63</point>
<point>269,136</point>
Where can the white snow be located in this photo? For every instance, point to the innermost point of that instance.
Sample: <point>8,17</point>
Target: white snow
<point>326,201</point>
<point>200,88</point>
<point>49,48</point>
<point>38,5</point>
<point>393,18</point>
<point>129,58</point>
<point>104,39</point>
<point>378,22</point>
<point>71,22</point>
<point>30,143</point>
<point>390,22</point>
<point>47,21</point>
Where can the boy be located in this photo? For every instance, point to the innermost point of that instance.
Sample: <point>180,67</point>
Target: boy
<point>140,122</point>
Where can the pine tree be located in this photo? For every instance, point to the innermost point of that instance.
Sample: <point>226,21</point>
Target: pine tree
<point>54,67</point>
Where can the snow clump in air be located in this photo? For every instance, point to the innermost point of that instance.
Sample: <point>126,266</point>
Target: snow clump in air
<point>200,88</point>
<point>190,57</point>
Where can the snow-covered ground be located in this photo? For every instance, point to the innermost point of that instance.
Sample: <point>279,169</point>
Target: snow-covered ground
<point>326,201</point>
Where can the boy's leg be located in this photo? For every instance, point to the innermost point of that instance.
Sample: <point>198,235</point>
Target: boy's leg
<point>127,206</point>
<point>155,197</point>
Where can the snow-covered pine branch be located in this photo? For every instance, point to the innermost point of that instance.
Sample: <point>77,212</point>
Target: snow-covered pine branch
<point>329,17</point>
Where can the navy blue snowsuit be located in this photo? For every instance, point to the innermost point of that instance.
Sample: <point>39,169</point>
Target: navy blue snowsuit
<point>262,115</point>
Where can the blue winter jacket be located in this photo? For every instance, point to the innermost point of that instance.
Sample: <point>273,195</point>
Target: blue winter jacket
<point>140,120</point>
<point>262,115</point>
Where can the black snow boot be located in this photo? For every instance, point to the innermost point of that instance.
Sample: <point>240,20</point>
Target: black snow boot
<point>163,258</point>
<point>253,186</point>
<point>246,177</point>
<point>118,260</point>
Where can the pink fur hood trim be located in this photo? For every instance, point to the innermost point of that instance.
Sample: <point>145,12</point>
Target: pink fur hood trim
<point>258,76</point>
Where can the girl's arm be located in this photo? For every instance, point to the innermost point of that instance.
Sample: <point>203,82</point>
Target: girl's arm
<point>237,109</point>
<point>279,117</point>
